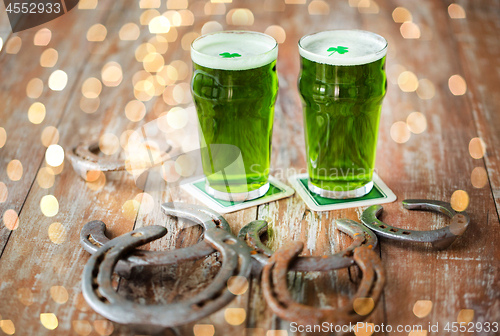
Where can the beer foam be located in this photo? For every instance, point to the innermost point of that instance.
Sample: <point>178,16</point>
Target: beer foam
<point>256,50</point>
<point>343,47</point>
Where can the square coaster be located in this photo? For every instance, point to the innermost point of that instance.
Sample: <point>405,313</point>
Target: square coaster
<point>378,195</point>
<point>277,190</point>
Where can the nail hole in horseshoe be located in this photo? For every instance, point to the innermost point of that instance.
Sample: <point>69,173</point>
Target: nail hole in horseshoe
<point>393,230</point>
<point>383,226</point>
<point>136,234</point>
<point>406,232</point>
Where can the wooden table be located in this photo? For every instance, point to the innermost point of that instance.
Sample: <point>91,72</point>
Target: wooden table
<point>41,263</point>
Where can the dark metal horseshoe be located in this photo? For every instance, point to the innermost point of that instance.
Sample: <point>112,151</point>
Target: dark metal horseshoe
<point>440,238</point>
<point>92,237</point>
<point>100,295</point>
<point>360,235</point>
<point>275,289</point>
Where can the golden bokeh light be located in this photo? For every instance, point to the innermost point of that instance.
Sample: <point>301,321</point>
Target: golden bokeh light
<point>457,85</point>
<point>15,170</point>
<point>177,4</point>
<point>57,234</point>
<point>240,17</point>
<point>124,138</point>
<point>87,4</point>
<point>479,177</point>
<point>10,219</point>
<point>82,327</point>
<point>159,25</point>
<point>408,81</point>
<point>182,69</point>
<point>89,105</point>
<point>3,137</point>
<point>214,8</point>
<point>237,285</point>
<point>187,17</point>
<point>13,45</point>
<point>425,89</point>
<point>187,39</point>
<point>109,143</point>
<point>49,205</point>
<point>172,34</point>
<point>295,2</point>
<point>185,165</point>
<point>409,30</point>
<point>153,62</point>
<point>42,37</point>
<point>111,74</point>
<point>368,7</point>
<point>130,209</point>
<point>177,118</point>
<point>7,327</point>
<point>129,32</point>
<point>277,32</point>
<point>364,329</point>
<point>477,148</point>
<point>401,14</point>
<point>143,50</point>
<point>274,5</point>
<point>393,73</point>
<point>160,43</point>
<point>95,180</point>
<point>25,296</point>
<point>57,169</point>
<point>135,110</point>
<point>36,113</point>
<point>422,308</point>
<point>34,88</point>
<point>103,327</point>
<point>54,156</point>
<point>58,80</point>
<point>4,192</point>
<point>149,4</point>
<point>400,132</point>
<point>147,202</point>
<point>318,7</point>
<point>174,17</point>
<point>147,16</point>
<point>59,294</point>
<point>465,316</point>
<point>49,320</point>
<point>203,330</point>
<point>456,11</point>
<point>459,200</point>
<point>91,88</point>
<point>363,306</point>
<point>211,27</point>
<point>416,122</point>
<point>1,43</point>
<point>45,178</point>
<point>169,172</point>
<point>235,316</point>
<point>97,33</point>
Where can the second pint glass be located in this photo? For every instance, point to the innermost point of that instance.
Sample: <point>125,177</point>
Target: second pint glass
<point>342,85</point>
<point>234,88</point>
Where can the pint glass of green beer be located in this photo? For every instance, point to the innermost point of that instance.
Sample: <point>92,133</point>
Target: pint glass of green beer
<point>234,88</point>
<point>342,85</point>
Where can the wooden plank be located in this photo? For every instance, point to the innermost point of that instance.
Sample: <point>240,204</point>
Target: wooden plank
<point>477,38</point>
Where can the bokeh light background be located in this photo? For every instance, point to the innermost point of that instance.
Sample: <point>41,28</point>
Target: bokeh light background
<point>119,67</point>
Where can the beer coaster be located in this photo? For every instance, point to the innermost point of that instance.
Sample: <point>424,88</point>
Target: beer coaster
<point>378,195</point>
<point>277,190</point>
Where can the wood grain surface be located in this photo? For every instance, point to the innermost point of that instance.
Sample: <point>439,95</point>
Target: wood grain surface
<point>40,271</point>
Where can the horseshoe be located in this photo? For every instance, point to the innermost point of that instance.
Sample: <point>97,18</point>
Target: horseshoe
<point>92,237</point>
<point>440,238</point>
<point>360,235</point>
<point>275,289</point>
<point>100,295</point>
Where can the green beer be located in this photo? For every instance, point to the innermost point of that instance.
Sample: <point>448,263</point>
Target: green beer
<point>234,88</point>
<point>342,85</point>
